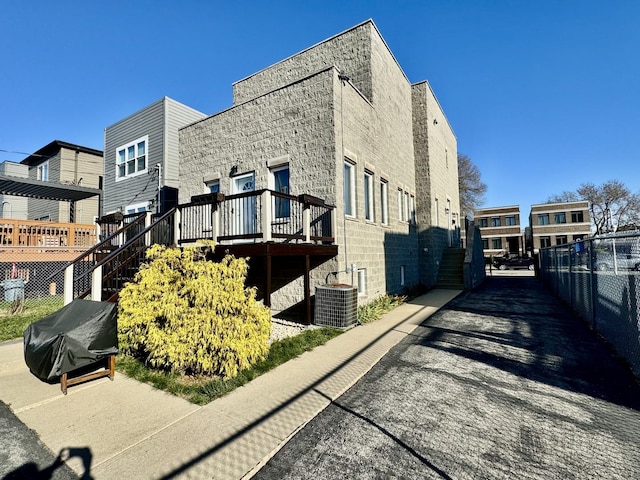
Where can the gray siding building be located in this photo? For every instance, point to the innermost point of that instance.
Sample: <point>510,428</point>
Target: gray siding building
<point>65,163</point>
<point>340,121</point>
<point>141,154</point>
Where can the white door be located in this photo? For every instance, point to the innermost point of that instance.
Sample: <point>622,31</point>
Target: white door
<point>244,208</point>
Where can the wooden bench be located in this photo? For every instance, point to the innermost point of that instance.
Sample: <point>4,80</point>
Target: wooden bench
<point>109,371</point>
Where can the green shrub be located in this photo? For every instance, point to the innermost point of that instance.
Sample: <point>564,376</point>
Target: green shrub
<point>185,314</point>
<point>373,310</point>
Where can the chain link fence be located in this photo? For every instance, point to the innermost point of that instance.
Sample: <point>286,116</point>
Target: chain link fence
<point>600,279</point>
<point>31,286</point>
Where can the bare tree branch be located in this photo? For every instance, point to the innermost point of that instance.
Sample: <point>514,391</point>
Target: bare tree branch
<point>472,188</point>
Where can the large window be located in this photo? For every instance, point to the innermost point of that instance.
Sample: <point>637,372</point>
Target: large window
<point>560,217</point>
<point>495,222</point>
<point>496,243</point>
<point>577,217</point>
<point>543,219</point>
<point>349,189</point>
<point>412,209</point>
<point>368,196</point>
<point>280,184</point>
<point>545,242</point>
<point>483,222</point>
<point>131,159</point>
<point>43,172</point>
<point>510,220</point>
<point>561,239</point>
<point>485,243</point>
<point>384,202</point>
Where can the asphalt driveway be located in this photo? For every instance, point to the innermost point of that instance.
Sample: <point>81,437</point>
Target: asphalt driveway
<point>503,382</point>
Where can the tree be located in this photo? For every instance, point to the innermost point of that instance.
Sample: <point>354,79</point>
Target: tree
<point>612,206</point>
<point>472,188</point>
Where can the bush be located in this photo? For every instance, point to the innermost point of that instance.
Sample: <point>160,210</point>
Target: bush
<point>187,314</point>
<point>373,310</point>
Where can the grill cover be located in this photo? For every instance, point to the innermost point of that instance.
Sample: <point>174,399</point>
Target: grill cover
<point>76,336</point>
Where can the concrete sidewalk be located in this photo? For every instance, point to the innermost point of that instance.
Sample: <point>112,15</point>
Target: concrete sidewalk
<point>134,431</point>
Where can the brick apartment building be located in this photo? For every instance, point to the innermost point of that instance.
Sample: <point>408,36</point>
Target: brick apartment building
<point>500,230</point>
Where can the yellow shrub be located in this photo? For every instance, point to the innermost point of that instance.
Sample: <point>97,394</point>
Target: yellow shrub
<point>185,313</point>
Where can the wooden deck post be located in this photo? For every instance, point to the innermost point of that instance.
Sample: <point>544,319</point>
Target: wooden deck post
<point>267,212</point>
<point>68,285</point>
<point>176,227</point>
<point>306,224</point>
<point>147,223</point>
<point>267,280</point>
<point>307,289</point>
<point>96,284</point>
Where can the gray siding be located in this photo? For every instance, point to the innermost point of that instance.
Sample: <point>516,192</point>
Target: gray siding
<point>12,206</point>
<point>177,116</point>
<point>147,122</point>
<point>160,122</point>
<point>39,208</point>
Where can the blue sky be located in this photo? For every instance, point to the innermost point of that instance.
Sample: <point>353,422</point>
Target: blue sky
<point>543,96</point>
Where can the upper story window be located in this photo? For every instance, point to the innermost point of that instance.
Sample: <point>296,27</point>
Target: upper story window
<point>560,217</point>
<point>349,189</point>
<point>131,159</point>
<point>137,208</point>
<point>368,196</point>
<point>279,182</point>
<point>43,171</point>
<point>412,209</point>
<point>543,219</point>
<point>577,217</point>
<point>483,222</point>
<point>495,222</point>
<point>510,220</point>
<point>384,202</point>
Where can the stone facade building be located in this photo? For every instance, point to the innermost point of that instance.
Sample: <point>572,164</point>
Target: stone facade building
<point>500,230</point>
<point>340,121</point>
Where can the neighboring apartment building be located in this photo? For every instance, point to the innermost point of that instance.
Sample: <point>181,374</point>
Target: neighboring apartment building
<point>500,230</point>
<point>65,163</point>
<point>141,155</point>
<point>14,206</point>
<point>559,223</point>
<point>340,121</point>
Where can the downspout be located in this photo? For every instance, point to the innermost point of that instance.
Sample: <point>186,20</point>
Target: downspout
<point>343,80</point>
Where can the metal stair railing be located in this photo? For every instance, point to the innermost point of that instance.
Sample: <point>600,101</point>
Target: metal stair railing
<point>107,277</point>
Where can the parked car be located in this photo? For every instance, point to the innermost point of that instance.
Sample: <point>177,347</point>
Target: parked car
<point>503,263</point>
<point>623,261</point>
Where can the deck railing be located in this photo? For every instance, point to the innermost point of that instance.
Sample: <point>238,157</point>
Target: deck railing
<point>257,216</point>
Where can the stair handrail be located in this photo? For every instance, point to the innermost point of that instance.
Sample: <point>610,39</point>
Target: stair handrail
<point>99,246</point>
<point>122,247</point>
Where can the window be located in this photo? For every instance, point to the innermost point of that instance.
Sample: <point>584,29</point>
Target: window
<point>510,221</point>
<point>577,217</point>
<point>405,208</point>
<point>483,222</point>
<point>349,188</point>
<point>131,159</point>
<point>496,243</point>
<point>279,180</point>
<point>543,219</point>
<point>384,202</point>
<point>485,243</point>
<point>43,171</point>
<point>560,217</point>
<point>137,208</point>
<point>577,238</point>
<point>362,281</point>
<point>412,209</point>
<point>400,205</point>
<point>401,275</point>
<point>368,196</point>
<point>561,239</point>
<point>213,186</point>
<point>437,215</point>
<point>495,222</point>
<point>545,242</point>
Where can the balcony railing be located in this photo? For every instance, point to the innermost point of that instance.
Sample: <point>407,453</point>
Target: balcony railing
<point>257,216</point>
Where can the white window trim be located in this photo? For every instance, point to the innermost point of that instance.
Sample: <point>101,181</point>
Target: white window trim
<point>124,147</point>
<point>400,205</point>
<point>368,197</point>
<point>136,206</point>
<point>44,166</point>
<point>352,187</point>
<point>271,184</point>
<point>384,201</point>
<point>362,281</point>
<point>412,209</point>
<point>209,183</point>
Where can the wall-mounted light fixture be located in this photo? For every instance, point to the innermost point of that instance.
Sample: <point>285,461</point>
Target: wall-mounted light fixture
<point>233,170</point>
<point>435,121</point>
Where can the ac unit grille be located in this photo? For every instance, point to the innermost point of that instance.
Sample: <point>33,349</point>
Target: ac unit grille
<point>336,306</point>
